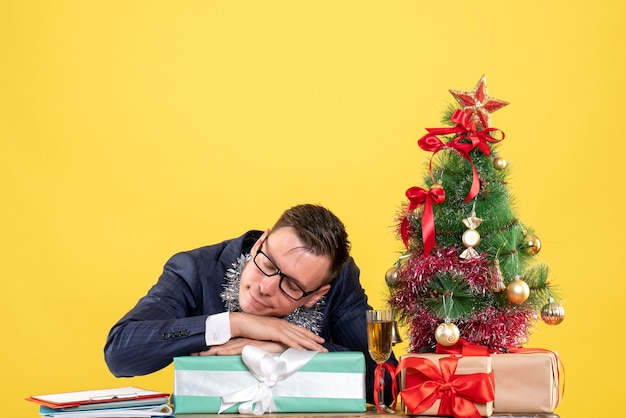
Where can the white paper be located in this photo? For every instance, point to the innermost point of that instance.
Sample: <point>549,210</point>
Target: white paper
<point>128,392</point>
<point>152,411</point>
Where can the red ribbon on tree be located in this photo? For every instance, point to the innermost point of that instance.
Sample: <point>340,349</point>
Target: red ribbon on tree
<point>463,129</point>
<point>418,197</point>
<point>457,393</point>
<point>379,384</point>
<point>465,348</point>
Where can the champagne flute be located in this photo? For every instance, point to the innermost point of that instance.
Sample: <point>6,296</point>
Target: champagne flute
<point>379,338</point>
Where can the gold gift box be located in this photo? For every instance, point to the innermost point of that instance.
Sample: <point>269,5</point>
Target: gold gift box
<point>526,382</point>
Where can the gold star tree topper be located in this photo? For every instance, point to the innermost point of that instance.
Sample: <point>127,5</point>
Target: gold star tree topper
<point>477,103</point>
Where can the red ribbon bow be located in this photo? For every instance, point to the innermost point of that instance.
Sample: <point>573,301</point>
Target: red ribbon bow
<point>463,129</point>
<point>418,197</point>
<point>379,384</point>
<point>457,393</point>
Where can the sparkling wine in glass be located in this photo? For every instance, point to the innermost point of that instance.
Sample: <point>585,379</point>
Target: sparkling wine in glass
<point>379,337</point>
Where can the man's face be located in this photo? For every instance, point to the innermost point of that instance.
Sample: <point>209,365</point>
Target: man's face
<point>299,270</point>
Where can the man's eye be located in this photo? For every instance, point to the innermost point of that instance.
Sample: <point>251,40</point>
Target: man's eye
<point>268,265</point>
<point>291,285</point>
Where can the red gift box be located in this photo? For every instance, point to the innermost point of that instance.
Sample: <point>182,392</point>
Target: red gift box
<point>446,385</point>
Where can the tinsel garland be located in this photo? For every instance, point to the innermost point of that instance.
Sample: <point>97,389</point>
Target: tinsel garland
<point>309,318</point>
<point>497,327</point>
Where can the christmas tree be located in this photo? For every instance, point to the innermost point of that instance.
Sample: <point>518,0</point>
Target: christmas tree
<point>469,270</point>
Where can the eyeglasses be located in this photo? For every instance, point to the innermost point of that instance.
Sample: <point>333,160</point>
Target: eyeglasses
<point>286,284</point>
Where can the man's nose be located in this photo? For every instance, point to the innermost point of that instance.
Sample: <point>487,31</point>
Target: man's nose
<point>269,284</point>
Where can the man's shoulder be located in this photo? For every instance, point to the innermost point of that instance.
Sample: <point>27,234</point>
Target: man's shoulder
<point>229,247</point>
<point>348,277</point>
<point>350,269</point>
<point>212,259</point>
<point>346,292</point>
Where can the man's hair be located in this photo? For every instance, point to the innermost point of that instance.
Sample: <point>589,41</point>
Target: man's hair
<point>321,232</point>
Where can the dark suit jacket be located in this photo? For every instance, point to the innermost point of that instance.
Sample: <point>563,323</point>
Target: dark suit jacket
<point>170,320</point>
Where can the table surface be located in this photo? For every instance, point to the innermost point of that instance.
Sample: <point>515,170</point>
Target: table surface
<point>346,415</point>
<point>370,413</point>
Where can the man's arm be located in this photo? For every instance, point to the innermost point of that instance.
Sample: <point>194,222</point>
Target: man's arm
<point>274,335</point>
<point>169,321</point>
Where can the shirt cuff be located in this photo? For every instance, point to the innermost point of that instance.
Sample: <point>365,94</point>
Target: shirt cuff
<point>217,329</point>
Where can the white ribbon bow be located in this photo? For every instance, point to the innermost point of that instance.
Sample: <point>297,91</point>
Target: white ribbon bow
<point>268,370</point>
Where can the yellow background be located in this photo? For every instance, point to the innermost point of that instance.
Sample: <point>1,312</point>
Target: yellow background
<point>131,130</point>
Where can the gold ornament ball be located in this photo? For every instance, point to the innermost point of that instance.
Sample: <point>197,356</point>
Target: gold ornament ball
<point>552,313</point>
<point>447,334</point>
<point>517,291</point>
<point>391,276</point>
<point>532,245</point>
<point>499,163</point>
<point>470,238</point>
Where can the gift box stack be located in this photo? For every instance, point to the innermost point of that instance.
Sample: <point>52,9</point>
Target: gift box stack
<point>258,382</point>
<point>480,384</point>
<point>469,272</point>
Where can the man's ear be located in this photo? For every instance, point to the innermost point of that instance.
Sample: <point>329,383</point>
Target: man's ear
<point>259,241</point>
<point>315,297</point>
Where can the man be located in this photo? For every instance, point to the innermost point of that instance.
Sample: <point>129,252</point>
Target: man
<point>292,286</point>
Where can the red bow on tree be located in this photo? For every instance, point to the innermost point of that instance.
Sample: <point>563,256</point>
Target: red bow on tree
<point>464,130</point>
<point>418,197</point>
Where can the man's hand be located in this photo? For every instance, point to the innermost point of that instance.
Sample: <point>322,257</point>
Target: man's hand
<point>235,346</point>
<point>270,329</point>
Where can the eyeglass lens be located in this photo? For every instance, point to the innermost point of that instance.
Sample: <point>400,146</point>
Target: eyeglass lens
<point>268,268</point>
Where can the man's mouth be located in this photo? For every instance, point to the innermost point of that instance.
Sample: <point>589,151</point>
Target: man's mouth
<point>258,303</point>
